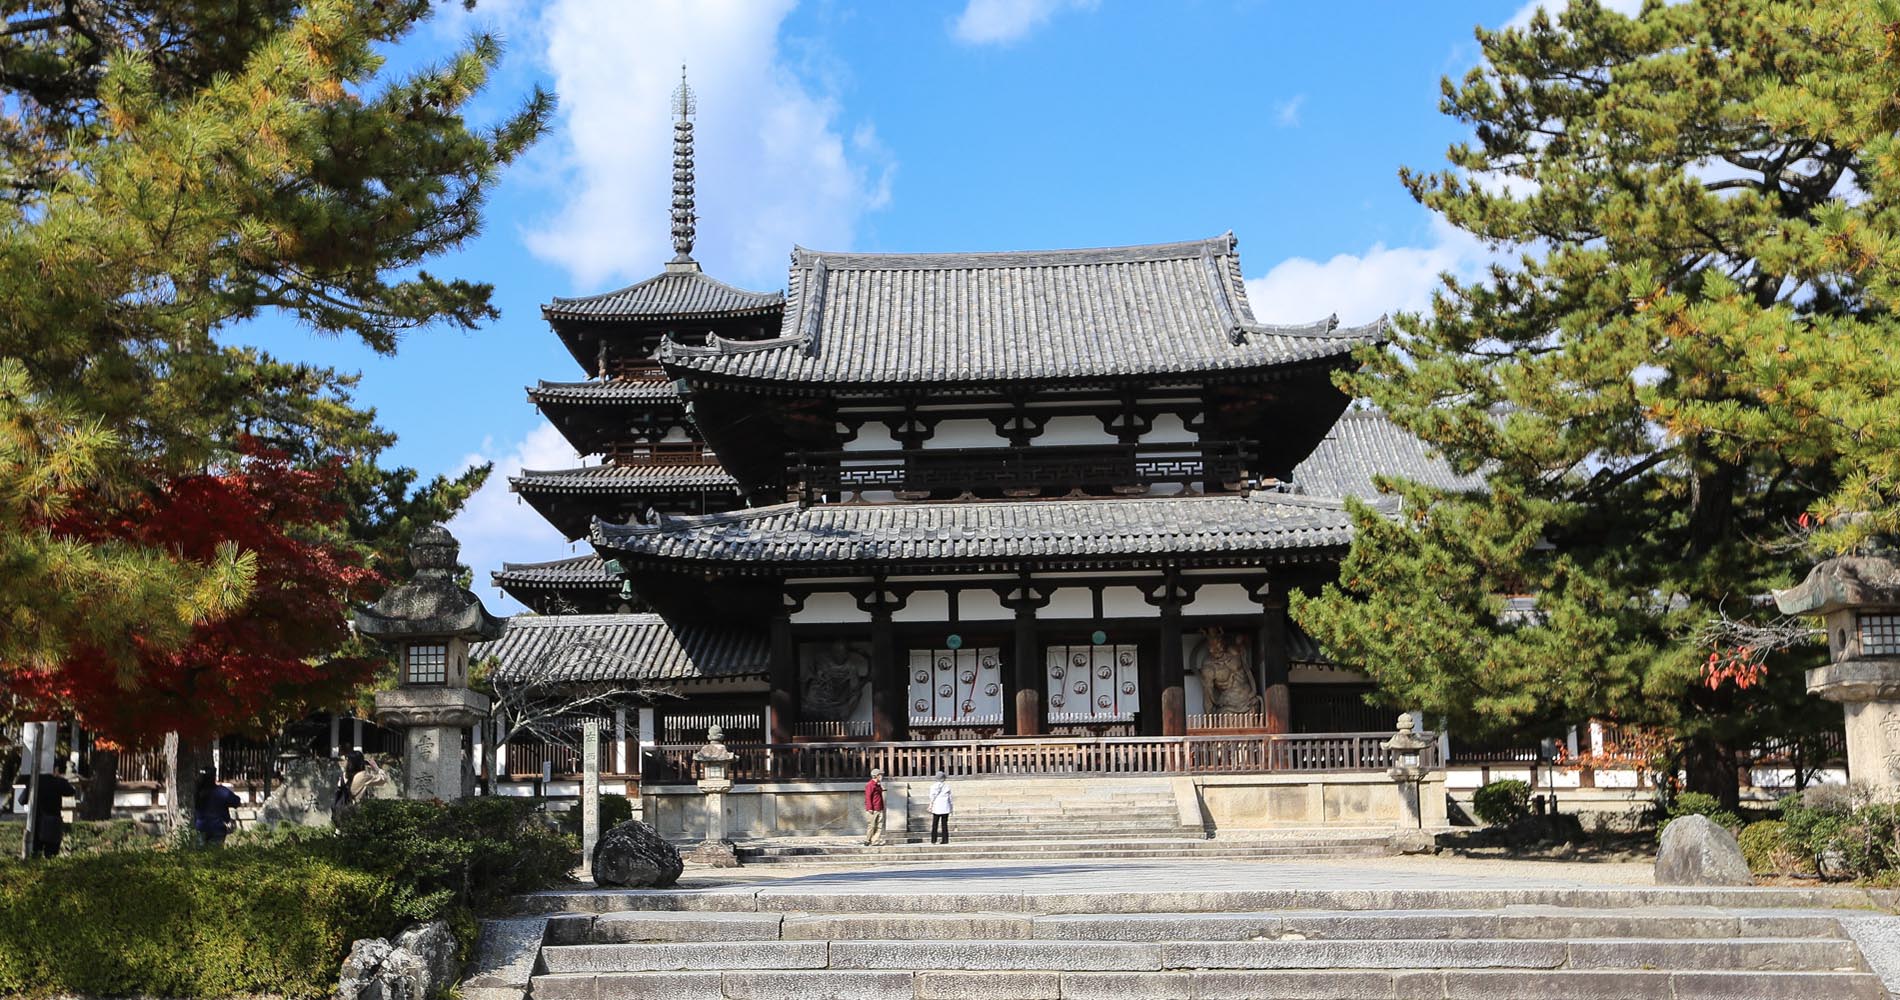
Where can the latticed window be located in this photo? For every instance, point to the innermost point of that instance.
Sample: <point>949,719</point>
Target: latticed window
<point>428,664</point>
<point>1880,635</point>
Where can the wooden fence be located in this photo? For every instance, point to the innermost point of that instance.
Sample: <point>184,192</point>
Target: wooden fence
<point>1023,757</point>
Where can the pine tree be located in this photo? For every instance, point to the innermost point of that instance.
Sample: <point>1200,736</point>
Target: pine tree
<point>168,171</point>
<point>1659,188</point>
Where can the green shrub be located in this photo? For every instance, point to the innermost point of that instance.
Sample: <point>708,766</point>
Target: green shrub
<point>101,836</point>
<point>1695,804</point>
<point>614,810</point>
<point>1763,845</point>
<point>1502,803</point>
<point>241,921</point>
<point>444,857</point>
<point>1843,837</point>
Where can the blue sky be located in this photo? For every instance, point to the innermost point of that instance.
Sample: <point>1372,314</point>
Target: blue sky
<point>925,126</point>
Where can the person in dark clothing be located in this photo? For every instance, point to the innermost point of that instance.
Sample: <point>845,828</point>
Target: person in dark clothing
<point>48,793</point>
<point>211,811</point>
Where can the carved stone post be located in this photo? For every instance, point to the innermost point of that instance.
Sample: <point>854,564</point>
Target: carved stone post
<point>716,760</point>
<point>430,622</point>
<point>1858,600</point>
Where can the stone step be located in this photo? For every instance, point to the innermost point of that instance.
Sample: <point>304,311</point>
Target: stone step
<point>794,897</point>
<point>1304,984</point>
<point>1731,954</point>
<point>1515,923</point>
<point>1133,850</point>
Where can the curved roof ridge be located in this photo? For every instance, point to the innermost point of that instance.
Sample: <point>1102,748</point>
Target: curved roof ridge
<point>694,276</point>
<point>674,522</point>
<point>544,564</point>
<point>1221,245</point>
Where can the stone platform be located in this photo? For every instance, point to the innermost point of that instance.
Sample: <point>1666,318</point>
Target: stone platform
<point>1340,929</point>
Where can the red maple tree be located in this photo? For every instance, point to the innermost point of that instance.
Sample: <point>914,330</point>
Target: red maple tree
<point>277,658</point>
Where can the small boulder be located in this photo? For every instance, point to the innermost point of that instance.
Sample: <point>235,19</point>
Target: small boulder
<point>1415,842</point>
<point>632,856</point>
<point>420,965</point>
<point>1696,850</point>
<point>435,948</point>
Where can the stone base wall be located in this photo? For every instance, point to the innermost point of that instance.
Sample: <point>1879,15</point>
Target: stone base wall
<point>1281,801</point>
<point>805,809</point>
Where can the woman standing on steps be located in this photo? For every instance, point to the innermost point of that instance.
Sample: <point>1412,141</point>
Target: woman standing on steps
<point>940,809</point>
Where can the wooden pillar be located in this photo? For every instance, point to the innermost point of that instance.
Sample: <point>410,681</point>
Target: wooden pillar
<point>784,681</point>
<point>1022,678</point>
<point>1171,679</point>
<point>1275,664</point>
<point>889,685</point>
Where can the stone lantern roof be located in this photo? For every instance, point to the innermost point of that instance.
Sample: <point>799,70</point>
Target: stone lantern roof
<point>1844,582</point>
<point>430,605</point>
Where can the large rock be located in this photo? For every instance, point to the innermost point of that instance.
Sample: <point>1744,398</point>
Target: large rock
<point>420,965</point>
<point>1696,850</point>
<point>632,856</point>
<point>309,787</point>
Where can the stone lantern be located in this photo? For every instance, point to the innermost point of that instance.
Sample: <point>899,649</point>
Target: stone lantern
<point>1408,768</point>
<point>1857,598</point>
<point>715,761</point>
<point>430,622</point>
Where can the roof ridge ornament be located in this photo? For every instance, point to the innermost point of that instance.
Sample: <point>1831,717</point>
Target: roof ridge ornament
<point>685,105</point>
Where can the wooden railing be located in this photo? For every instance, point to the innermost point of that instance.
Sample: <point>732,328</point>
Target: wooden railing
<point>1226,720</point>
<point>981,758</point>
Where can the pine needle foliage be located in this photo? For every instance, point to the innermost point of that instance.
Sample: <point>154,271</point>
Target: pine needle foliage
<point>1683,347</point>
<point>169,170</point>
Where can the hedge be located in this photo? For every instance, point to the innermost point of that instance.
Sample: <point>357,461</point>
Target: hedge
<point>1502,803</point>
<point>273,918</point>
<point>184,924</point>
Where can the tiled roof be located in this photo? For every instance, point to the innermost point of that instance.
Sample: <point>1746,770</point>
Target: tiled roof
<point>629,647</point>
<point>674,293</point>
<point>933,318</point>
<point>576,571</point>
<point>619,390</point>
<point>1364,443</point>
<point>656,478</point>
<point>990,531</point>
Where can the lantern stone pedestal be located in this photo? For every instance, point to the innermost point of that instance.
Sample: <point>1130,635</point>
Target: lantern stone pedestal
<point>1409,770</point>
<point>715,851</point>
<point>1857,598</point>
<point>430,621</point>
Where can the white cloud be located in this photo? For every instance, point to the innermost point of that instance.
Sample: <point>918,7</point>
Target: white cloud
<point>1522,19</point>
<point>1360,288</point>
<point>495,526</point>
<point>774,164</point>
<point>1287,112</point>
<point>999,22</point>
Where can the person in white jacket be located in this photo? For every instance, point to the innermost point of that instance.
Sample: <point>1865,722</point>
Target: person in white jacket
<point>940,809</point>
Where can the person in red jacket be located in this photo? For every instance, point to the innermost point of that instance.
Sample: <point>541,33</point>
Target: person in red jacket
<point>874,810</point>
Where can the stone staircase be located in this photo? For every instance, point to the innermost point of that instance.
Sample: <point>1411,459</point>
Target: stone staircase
<point>1028,809</point>
<point>843,945</point>
<point>1292,844</point>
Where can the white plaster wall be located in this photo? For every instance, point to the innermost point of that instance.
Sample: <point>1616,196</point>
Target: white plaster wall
<point>1222,599</point>
<point>1125,602</point>
<point>1168,428</point>
<point>965,434</point>
<point>873,436</point>
<point>925,606</point>
<point>981,605</point>
<point>1074,430</point>
<point>1069,602</point>
<point>829,608</point>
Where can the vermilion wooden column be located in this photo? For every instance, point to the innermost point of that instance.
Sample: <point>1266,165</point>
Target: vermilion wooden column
<point>1022,678</point>
<point>784,681</point>
<point>889,685</point>
<point>1173,674</point>
<point>1275,664</point>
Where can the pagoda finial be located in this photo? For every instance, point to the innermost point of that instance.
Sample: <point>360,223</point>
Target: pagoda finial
<point>684,107</point>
